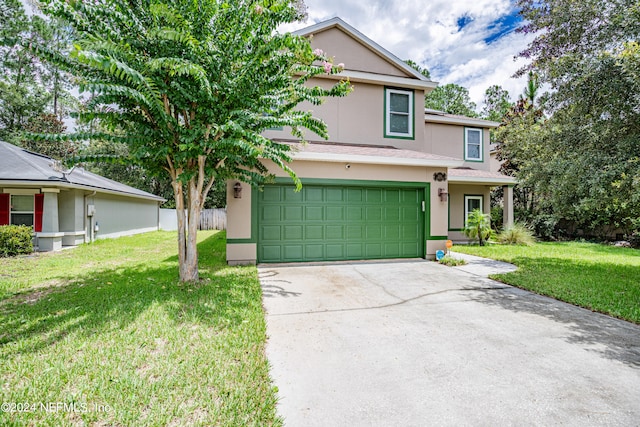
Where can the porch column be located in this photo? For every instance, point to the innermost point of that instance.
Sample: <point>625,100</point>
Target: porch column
<point>50,239</point>
<point>507,206</point>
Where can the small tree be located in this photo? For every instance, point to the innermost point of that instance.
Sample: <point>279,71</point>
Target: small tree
<point>478,226</point>
<point>191,85</point>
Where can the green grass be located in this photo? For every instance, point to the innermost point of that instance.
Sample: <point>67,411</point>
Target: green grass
<point>598,277</point>
<point>108,327</point>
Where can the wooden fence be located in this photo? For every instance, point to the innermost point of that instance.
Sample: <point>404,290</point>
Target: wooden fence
<point>213,219</point>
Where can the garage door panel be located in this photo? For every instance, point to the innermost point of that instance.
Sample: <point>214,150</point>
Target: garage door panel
<point>334,232</point>
<point>293,232</point>
<point>335,251</point>
<point>313,194</point>
<point>314,213</point>
<point>355,251</point>
<point>271,253</point>
<point>374,213</point>
<point>272,232</point>
<point>355,195</point>
<point>271,214</point>
<point>373,195</point>
<point>355,232</point>
<point>293,213</point>
<point>290,195</point>
<point>314,232</point>
<point>336,223</point>
<point>335,213</point>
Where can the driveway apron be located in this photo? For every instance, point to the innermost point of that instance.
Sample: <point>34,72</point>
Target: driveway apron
<point>415,343</point>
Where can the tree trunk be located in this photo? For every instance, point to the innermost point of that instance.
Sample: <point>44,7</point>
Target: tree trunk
<point>189,269</point>
<point>182,244</point>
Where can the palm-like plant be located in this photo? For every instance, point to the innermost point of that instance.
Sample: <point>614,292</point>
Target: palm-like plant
<point>478,226</point>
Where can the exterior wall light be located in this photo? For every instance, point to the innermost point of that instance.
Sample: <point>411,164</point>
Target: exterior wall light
<point>237,191</point>
<point>442,193</point>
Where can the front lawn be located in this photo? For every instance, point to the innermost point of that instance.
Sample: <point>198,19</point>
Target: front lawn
<point>105,335</point>
<point>598,277</point>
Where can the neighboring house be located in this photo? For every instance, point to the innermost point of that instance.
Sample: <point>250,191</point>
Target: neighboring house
<point>67,208</point>
<point>393,181</point>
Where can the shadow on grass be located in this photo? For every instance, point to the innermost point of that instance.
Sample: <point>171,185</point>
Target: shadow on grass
<point>612,338</point>
<point>115,298</point>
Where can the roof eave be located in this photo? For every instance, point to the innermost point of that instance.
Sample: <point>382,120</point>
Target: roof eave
<point>507,180</point>
<point>376,160</point>
<point>70,185</point>
<point>363,77</point>
<point>465,121</point>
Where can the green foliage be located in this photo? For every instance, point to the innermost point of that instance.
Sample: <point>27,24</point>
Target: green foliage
<point>189,87</point>
<point>478,226</point>
<point>29,88</point>
<point>425,72</point>
<point>451,98</point>
<point>48,123</point>
<point>545,225</point>
<point>583,163</point>
<point>450,261</point>
<point>497,103</point>
<point>516,234</point>
<point>497,216</point>
<point>15,240</point>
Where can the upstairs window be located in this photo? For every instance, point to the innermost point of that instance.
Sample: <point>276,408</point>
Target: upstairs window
<point>473,144</point>
<point>399,121</point>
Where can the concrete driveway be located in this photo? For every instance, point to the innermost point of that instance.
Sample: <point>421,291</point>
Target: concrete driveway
<point>414,343</point>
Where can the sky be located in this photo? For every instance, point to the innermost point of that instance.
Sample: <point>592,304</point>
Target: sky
<point>468,42</point>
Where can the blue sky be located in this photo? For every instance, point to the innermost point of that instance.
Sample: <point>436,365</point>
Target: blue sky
<point>468,42</point>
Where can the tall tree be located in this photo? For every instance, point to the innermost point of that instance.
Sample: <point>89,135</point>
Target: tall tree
<point>451,98</point>
<point>497,103</point>
<point>588,53</point>
<point>193,85</point>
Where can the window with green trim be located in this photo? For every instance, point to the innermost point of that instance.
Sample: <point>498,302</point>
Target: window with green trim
<point>473,144</point>
<point>471,203</point>
<point>398,113</point>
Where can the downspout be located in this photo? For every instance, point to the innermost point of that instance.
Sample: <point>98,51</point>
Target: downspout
<point>84,223</point>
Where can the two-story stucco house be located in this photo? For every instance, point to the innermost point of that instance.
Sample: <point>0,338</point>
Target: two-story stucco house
<point>393,181</point>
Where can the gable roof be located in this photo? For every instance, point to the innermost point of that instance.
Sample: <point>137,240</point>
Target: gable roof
<point>416,79</point>
<point>20,166</point>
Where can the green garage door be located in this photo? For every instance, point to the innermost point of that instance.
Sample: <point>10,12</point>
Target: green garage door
<point>322,223</point>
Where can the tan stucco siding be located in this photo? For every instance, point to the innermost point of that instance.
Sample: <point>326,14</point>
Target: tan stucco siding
<point>448,140</point>
<point>457,192</point>
<point>238,212</point>
<point>354,55</point>
<point>359,118</point>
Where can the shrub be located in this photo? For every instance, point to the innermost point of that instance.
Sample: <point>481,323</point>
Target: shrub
<point>450,261</point>
<point>497,217</point>
<point>15,240</point>
<point>478,226</point>
<point>516,234</point>
<point>544,226</point>
<point>634,239</point>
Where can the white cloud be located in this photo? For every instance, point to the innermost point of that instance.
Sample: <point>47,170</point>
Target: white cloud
<point>428,33</point>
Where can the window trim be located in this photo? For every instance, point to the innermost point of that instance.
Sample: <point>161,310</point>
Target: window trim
<point>14,212</point>
<point>387,113</point>
<point>466,204</point>
<point>466,145</point>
